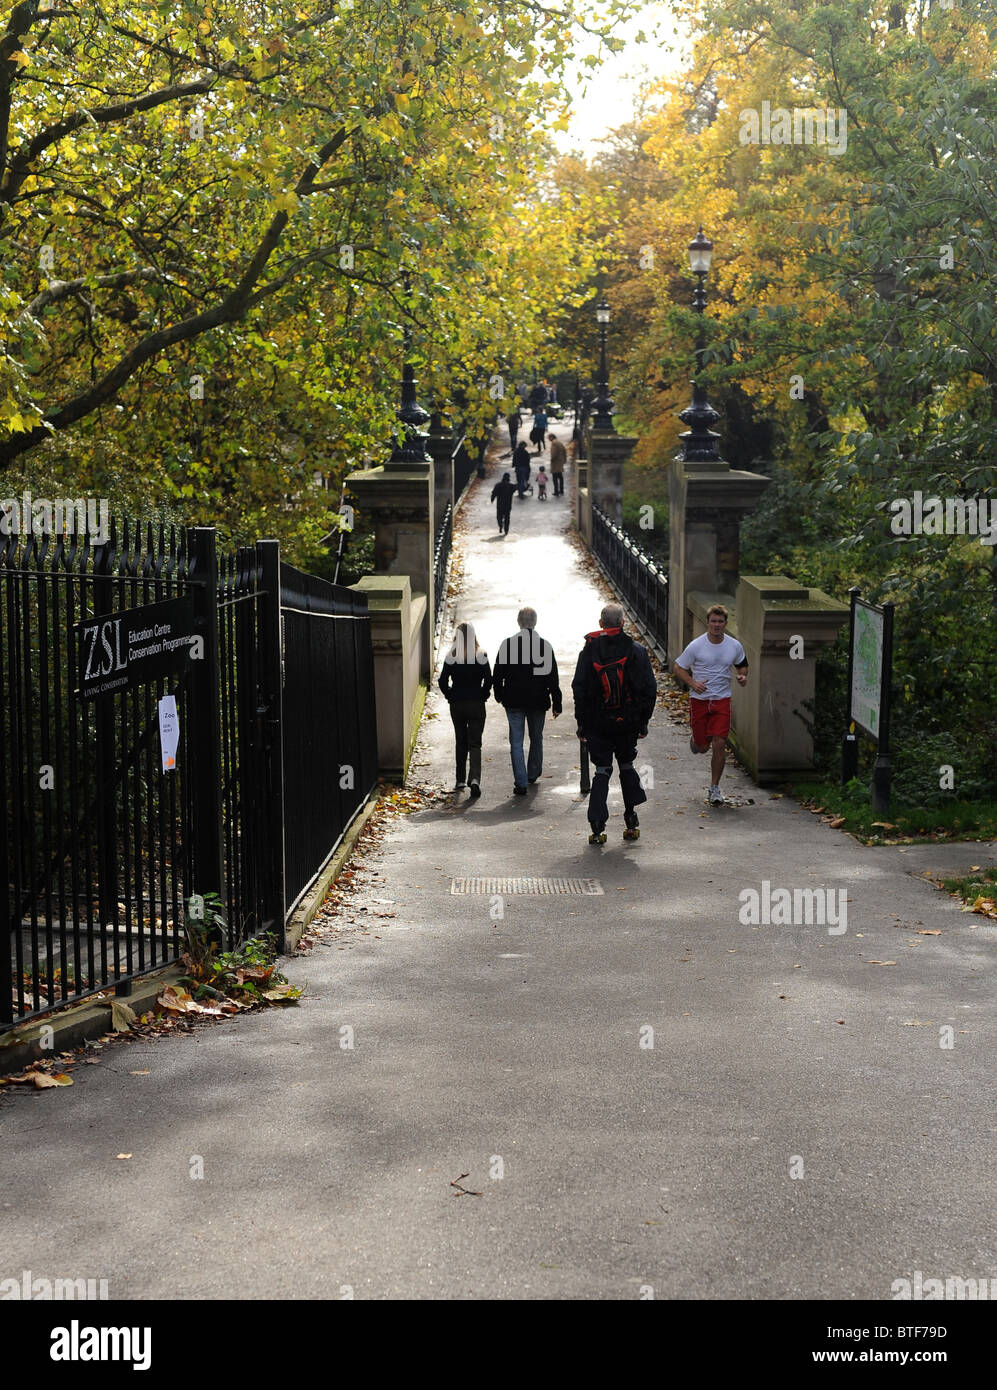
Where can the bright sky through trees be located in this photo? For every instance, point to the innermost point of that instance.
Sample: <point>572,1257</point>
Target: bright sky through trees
<point>605,99</point>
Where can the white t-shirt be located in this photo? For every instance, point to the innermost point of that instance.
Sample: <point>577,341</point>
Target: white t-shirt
<point>711,662</point>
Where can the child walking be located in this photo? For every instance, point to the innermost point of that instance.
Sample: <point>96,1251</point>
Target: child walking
<point>542,485</point>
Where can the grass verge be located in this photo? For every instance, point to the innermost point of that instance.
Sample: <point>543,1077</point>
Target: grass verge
<point>848,808</point>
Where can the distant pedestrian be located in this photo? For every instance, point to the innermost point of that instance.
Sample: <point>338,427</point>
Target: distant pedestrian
<point>466,681</point>
<point>502,497</point>
<point>523,467</point>
<point>538,396</point>
<point>538,434</point>
<point>558,458</point>
<point>615,693</point>
<point>541,485</point>
<point>704,667</point>
<point>526,684</point>
<point>515,422</point>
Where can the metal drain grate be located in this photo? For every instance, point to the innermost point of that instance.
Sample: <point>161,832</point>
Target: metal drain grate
<point>542,887</point>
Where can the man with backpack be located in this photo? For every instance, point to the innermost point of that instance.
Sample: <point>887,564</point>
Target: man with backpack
<point>615,693</point>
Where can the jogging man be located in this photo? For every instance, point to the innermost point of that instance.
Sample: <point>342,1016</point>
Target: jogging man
<point>615,693</point>
<point>704,666</point>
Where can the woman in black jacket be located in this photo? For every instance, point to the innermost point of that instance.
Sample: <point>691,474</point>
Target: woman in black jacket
<point>466,681</point>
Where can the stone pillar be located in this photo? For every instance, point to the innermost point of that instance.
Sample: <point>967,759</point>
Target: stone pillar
<point>707,502</point>
<point>398,499</point>
<point>608,452</point>
<point>782,627</point>
<point>397,619</point>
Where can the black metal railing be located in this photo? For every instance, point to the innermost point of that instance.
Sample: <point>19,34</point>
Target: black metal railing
<point>96,839</point>
<point>464,466</point>
<point>328,719</point>
<point>635,576</point>
<point>102,843</point>
<point>441,562</point>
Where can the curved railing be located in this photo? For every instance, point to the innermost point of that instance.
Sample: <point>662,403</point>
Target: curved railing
<point>441,559</point>
<point>636,577</point>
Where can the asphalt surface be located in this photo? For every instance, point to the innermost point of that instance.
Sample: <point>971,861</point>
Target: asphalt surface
<point>506,1038</point>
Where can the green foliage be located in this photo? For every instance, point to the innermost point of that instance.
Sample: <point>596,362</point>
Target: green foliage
<point>223,227</point>
<point>247,974</point>
<point>647,487</point>
<point>959,819</point>
<point>850,326</point>
<point>977,888</point>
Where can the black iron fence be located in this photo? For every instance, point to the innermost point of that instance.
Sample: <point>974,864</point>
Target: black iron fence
<point>106,825</point>
<point>464,465</point>
<point>328,720</point>
<point>634,575</point>
<point>441,562</point>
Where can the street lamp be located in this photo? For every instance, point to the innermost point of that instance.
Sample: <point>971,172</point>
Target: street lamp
<point>700,254</point>
<point>699,442</point>
<point>410,443</point>
<point>603,402</point>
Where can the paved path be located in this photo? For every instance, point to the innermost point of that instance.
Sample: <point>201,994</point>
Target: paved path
<point>486,1045</point>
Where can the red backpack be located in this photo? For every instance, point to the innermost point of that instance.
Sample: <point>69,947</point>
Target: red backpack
<point>611,689</point>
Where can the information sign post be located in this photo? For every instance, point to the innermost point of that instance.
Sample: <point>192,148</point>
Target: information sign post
<point>870,675</point>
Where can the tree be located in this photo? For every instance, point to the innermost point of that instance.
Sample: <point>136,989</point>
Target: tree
<point>218,221</point>
<point>851,305</point>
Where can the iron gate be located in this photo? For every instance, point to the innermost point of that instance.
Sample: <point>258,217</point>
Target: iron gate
<point>102,846</point>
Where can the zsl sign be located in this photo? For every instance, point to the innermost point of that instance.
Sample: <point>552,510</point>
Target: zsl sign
<point>135,646</point>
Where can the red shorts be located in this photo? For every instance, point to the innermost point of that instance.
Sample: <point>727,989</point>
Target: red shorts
<point>709,719</point>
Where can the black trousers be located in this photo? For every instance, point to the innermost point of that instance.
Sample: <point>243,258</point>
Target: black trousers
<point>469,724</point>
<point>558,483</point>
<point>601,752</point>
<point>503,519</point>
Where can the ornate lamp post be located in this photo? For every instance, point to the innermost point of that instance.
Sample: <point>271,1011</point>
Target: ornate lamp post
<point>603,402</point>
<point>410,442</point>
<point>699,443</point>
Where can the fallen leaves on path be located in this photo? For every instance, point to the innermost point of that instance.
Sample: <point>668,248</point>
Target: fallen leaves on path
<point>40,1079</point>
<point>986,906</point>
<point>122,1016</point>
<point>181,1001</point>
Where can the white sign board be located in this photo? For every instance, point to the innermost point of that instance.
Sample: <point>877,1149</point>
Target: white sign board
<point>867,668</point>
<point>169,731</point>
